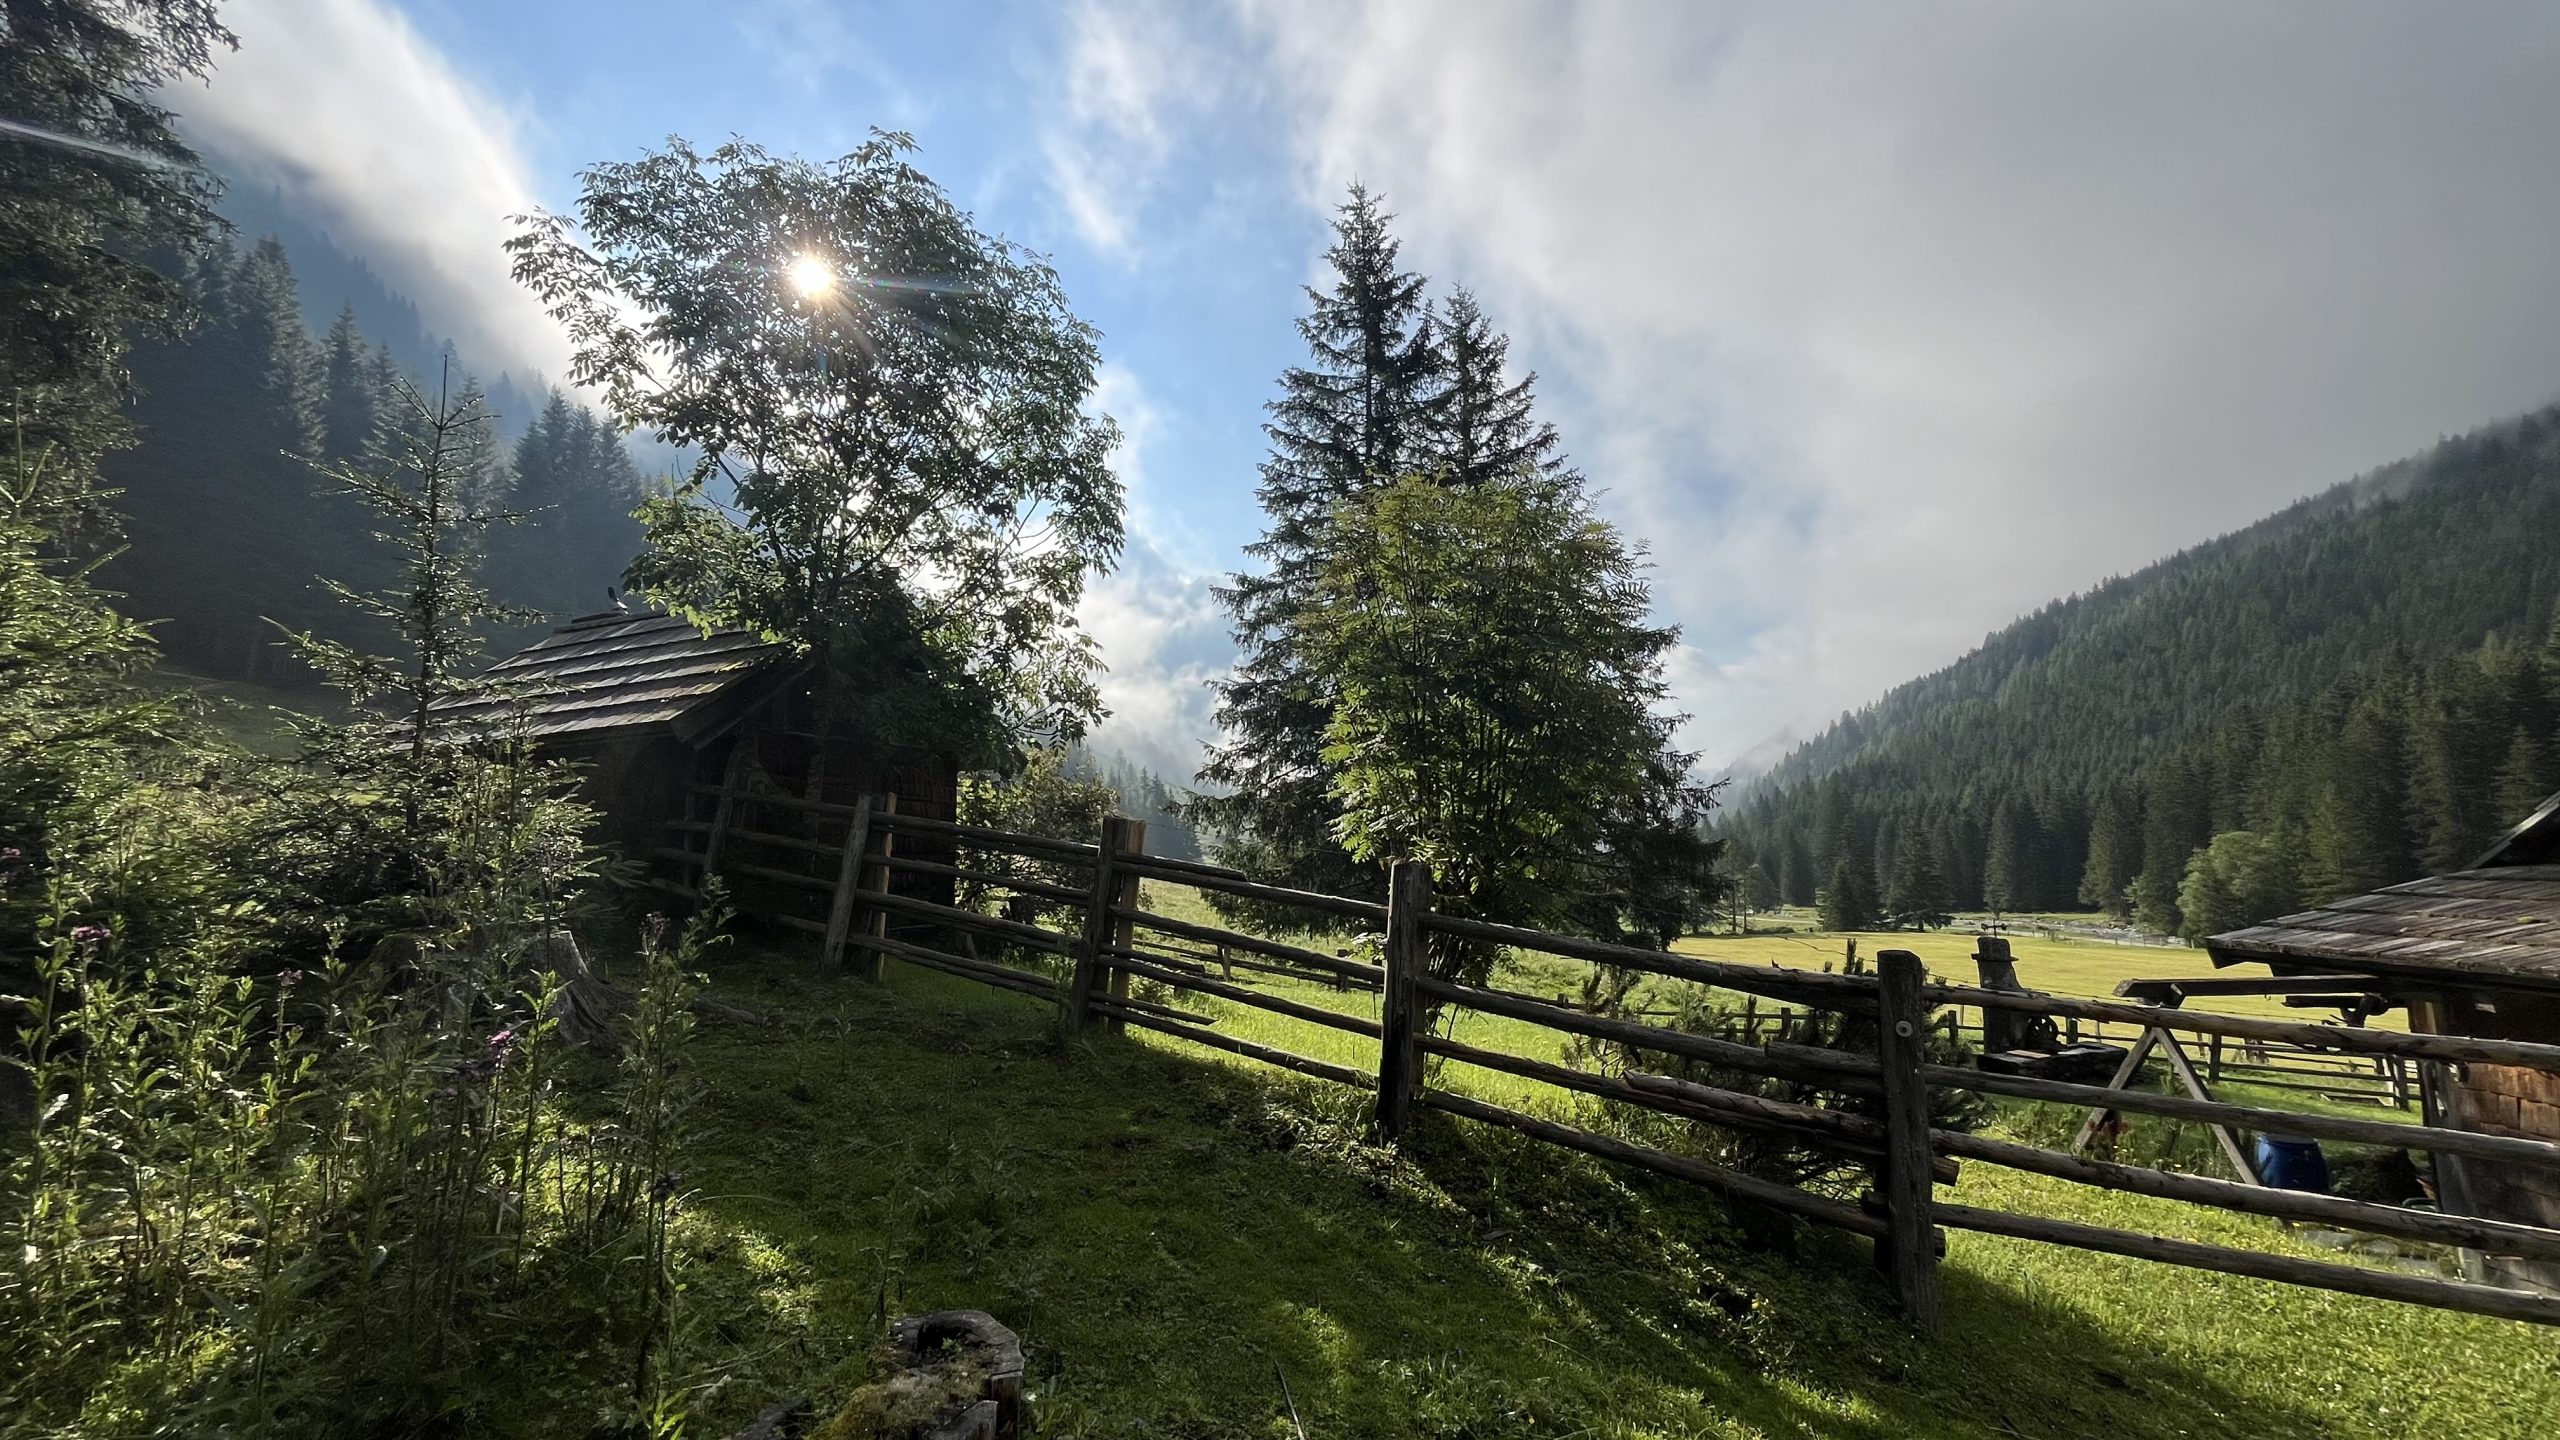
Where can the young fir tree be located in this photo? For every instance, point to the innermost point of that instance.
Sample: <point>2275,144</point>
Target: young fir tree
<point>1918,896</point>
<point>1363,412</point>
<point>1843,904</point>
<point>2115,854</point>
<point>1484,425</point>
<point>351,395</point>
<point>2000,867</point>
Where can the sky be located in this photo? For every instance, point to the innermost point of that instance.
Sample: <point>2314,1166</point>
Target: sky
<point>1880,324</point>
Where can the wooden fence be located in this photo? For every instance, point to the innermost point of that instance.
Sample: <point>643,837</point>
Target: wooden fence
<point>849,853</point>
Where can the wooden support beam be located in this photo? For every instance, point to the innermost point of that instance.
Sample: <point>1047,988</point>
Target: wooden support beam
<point>733,777</point>
<point>2125,1071</point>
<point>2186,1072</point>
<point>887,845</point>
<point>857,839</point>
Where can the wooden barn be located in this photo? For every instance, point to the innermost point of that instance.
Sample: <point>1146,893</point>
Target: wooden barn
<point>2477,953</point>
<point>682,736</point>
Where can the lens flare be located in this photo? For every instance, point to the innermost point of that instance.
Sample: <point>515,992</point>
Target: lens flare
<point>812,276</point>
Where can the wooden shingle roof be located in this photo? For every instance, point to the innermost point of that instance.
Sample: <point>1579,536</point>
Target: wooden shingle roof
<point>615,672</point>
<point>2497,923</point>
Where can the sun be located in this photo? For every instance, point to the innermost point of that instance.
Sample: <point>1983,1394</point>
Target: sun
<point>812,276</point>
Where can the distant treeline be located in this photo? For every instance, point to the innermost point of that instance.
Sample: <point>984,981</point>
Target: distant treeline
<point>231,526</point>
<point>1143,796</point>
<point>2353,692</point>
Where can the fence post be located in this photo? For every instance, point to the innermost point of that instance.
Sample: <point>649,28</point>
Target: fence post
<point>1908,1255</point>
<point>857,839</point>
<point>1400,1005</point>
<point>1093,962</point>
<point>1123,934</point>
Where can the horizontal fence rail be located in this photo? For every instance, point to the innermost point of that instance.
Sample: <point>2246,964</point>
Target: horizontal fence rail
<point>1067,928</point>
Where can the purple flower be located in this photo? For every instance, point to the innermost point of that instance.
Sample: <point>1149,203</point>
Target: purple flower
<point>499,1044</point>
<point>288,978</point>
<point>91,935</point>
<point>11,854</point>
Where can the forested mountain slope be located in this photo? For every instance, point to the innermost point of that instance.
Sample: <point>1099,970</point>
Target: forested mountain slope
<point>231,524</point>
<point>2226,674</point>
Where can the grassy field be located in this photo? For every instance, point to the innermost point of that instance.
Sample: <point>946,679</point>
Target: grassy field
<point>1177,1234</point>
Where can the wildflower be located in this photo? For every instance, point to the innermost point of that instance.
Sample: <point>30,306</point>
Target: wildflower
<point>664,1188</point>
<point>91,936</point>
<point>499,1045</point>
<point>288,978</point>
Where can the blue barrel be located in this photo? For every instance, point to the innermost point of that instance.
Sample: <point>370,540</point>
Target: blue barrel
<point>2288,1163</point>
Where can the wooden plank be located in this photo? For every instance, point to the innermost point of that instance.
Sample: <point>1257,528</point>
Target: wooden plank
<point>1732,1183</point>
<point>2348,1279</point>
<point>1400,1011</point>
<point>1253,944</point>
<point>1812,987</point>
<point>1829,1069</point>
<point>780,877</point>
<point>1320,1069</point>
<point>1241,995</point>
<point>2321,1127</point>
<point>982,838</point>
<point>2461,1049</point>
<point>1037,986</point>
<point>1688,1100</point>
<point>1040,888</point>
<point>1908,1253</point>
<point>970,920</point>
<point>857,839</point>
<point>1270,894</point>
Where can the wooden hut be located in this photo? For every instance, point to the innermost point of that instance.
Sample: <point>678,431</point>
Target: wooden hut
<point>679,734</point>
<point>2475,952</point>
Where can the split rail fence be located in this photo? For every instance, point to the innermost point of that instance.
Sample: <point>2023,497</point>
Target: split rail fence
<point>846,855</point>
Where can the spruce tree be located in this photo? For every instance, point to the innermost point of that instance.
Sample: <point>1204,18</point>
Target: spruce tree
<point>1363,412</point>
<point>2000,865</point>
<point>2115,852</point>
<point>98,234</point>
<point>1842,904</point>
<point>1918,896</point>
<point>1484,426</point>
<point>350,393</point>
<point>2521,788</point>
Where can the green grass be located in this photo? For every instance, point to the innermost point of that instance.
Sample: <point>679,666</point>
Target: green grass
<point>1172,1229</point>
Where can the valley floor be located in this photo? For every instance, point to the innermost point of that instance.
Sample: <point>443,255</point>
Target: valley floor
<point>1191,1246</point>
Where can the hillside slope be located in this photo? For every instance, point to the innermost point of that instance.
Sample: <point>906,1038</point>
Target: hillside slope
<point>2091,696</point>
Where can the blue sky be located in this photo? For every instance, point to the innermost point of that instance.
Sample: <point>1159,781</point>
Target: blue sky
<point>1881,324</point>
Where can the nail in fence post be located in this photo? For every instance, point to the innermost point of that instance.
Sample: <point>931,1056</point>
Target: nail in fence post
<point>1400,1008</point>
<point>1909,1252</point>
<point>857,839</point>
<point>1092,964</point>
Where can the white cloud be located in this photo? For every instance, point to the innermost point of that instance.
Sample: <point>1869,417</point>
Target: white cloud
<point>363,122</point>
<point>1108,134</point>
<point>1164,639</point>
<point>1162,635</point>
<point>1888,324</point>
